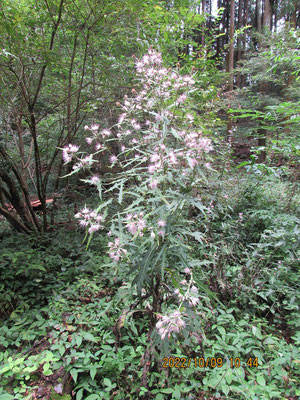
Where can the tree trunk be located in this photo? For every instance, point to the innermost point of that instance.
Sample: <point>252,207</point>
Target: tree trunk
<point>230,63</point>
<point>258,15</point>
<point>264,87</point>
<point>267,17</point>
<point>239,41</point>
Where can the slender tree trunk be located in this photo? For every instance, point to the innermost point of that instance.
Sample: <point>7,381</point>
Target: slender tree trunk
<point>258,15</point>
<point>267,17</point>
<point>230,62</point>
<point>275,10</point>
<point>245,23</point>
<point>203,25</point>
<point>264,87</point>
<point>239,41</point>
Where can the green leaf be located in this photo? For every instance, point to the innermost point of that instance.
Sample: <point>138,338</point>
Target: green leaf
<point>107,382</point>
<point>225,389</point>
<point>93,371</point>
<point>177,393</point>
<point>221,330</point>
<point>167,390</point>
<point>228,377</point>
<point>93,397</point>
<point>89,336</point>
<point>78,340</point>
<point>256,332</point>
<point>261,380</point>
<point>74,374</point>
<point>6,396</point>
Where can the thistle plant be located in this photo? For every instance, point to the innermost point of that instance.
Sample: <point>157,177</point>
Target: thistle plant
<point>161,153</point>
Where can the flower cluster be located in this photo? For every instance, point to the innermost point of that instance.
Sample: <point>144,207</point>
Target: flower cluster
<point>97,136</point>
<point>116,250</point>
<point>68,152</point>
<point>90,218</point>
<point>136,223</point>
<point>168,324</point>
<point>161,94</point>
<point>191,295</point>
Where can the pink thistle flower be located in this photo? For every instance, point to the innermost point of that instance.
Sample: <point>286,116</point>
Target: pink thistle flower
<point>169,324</point>
<point>193,301</point>
<point>153,184</point>
<point>122,117</point>
<point>94,228</point>
<point>152,169</point>
<point>194,290</point>
<point>83,223</point>
<point>94,180</point>
<point>106,132</point>
<point>205,144</point>
<point>66,157</point>
<point>73,148</point>
<point>132,228</point>
<point>181,99</point>
<point>113,159</point>
<point>172,157</point>
<point>154,158</point>
<point>161,223</point>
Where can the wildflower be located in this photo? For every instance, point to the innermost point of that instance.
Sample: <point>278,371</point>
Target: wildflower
<point>106,132</point>
<point>161,223</point>
<point>187,270</point>
<point>116,251</point>
<point>136,223</point>
<point>113,159</point>
<point>153,184</point>
<point>181,99</point>
<point>190,117</point>
<point>68,152</point>
<point>122,117</point>
<point>151,169</point>
<point>194,290</point>
<point>94,127</point>
<point>172,157</point>
<point>193,301</point>
<point>94,180</point>
<point>169,324</point>
<point>94,228</point>
<point>98,146</point>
